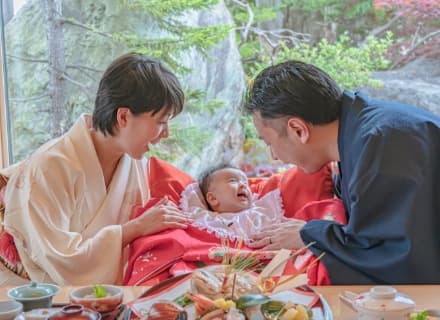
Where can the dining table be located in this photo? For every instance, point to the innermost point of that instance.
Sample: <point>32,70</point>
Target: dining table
<point>424,296</point>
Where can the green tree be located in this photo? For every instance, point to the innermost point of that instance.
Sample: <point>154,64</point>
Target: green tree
<point>349,65</point>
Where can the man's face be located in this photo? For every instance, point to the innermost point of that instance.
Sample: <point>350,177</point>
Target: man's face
<point>229,191</point>
<point>289,142</point>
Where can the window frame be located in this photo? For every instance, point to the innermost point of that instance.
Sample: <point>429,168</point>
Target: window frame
<point>5,155</point>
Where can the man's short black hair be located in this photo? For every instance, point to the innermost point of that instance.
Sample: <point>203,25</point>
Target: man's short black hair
<point>294,88</point>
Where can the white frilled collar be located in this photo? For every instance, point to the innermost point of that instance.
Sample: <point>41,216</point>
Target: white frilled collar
<point>232,225</point>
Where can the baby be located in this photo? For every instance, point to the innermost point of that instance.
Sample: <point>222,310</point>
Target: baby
<point>225,189</point>
<point>222,203</point>
<point>222,209</point>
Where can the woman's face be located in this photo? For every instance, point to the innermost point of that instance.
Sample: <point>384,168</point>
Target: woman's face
<point>138,132</point>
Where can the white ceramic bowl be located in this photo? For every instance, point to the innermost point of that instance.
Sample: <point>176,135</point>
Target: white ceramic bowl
<point>10,309</point>
<point>85,296</point>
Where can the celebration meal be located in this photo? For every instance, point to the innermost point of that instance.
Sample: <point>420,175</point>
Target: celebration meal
<point>223,294</point>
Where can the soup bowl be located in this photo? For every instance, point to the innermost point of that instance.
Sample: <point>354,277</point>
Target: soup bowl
<point>86,297</point>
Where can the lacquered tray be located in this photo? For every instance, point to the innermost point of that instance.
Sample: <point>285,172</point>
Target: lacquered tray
<point>177,286</point>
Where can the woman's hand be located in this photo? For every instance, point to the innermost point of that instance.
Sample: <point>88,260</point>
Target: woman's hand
<point>163,215</point>
<point>281,236</point>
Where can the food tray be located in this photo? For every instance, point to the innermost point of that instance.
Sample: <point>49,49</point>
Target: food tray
<point>177,286</point>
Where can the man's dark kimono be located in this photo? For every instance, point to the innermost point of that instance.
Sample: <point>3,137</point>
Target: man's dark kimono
<point>390,185</point>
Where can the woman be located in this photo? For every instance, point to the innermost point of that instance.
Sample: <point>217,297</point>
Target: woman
<point>68,205</point>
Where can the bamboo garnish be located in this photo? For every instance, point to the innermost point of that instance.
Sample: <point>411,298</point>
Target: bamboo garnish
<point>266,281</point>
<point>300,271</point>
<point>232,261</point>
<point>296,253</point>
<point>233,286</point>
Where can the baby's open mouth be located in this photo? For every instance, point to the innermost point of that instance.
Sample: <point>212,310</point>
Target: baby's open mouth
<point>243,196</point>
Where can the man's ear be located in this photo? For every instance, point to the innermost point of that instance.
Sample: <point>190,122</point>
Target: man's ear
<point>211,199</point>
<point>299,129</point>
<point>122,116</point>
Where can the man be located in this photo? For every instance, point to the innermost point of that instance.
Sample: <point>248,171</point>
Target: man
<point>389,161</point>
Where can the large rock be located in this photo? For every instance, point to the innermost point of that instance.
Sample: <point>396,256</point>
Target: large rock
<point>222,77</point>
<point>417,83</point>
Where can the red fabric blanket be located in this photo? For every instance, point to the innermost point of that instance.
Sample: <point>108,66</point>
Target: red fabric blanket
<point>169,253</point>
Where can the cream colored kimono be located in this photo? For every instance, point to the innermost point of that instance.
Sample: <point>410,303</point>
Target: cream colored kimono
<point>65,224</point>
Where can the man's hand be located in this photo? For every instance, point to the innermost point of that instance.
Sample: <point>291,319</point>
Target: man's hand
<point>281,236</point>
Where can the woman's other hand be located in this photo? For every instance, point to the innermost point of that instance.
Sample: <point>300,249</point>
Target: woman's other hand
<point>281,236</point>
<point>163,215</point>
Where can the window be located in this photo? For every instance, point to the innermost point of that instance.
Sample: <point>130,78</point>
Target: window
<point>56,51</point>
<point>4,145</point>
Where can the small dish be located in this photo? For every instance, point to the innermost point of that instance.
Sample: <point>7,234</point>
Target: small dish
<point>75,312</point>
<point>380,303</point>
<point>10,309</point>
<point>34,295</point>
<point>40,314</point>
<point>85,296</point>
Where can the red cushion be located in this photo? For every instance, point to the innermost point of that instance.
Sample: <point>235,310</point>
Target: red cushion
<point>8,251</point>
<point>297,187</point>
<point>300,193</point>
<point>166,180</point>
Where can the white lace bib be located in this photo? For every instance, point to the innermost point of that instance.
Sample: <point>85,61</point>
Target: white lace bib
<point>233,225</point>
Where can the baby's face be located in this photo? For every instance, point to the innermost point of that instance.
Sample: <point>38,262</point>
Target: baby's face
<point>229,191</point>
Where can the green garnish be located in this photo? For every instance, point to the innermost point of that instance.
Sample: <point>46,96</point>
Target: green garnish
<point>183,301</point>
<point>419,316</point>
<point>99,291</point>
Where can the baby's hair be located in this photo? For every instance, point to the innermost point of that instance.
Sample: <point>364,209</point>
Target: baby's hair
<point>205,177</point>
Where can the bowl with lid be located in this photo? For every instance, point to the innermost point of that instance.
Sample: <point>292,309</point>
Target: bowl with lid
<point>380,303</point>
<point>34,295</point>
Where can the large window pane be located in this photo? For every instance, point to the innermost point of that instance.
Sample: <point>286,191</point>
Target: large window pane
<point>57,50</point>
<point>51,74</point>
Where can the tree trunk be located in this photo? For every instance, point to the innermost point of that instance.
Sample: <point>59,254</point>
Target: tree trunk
<point>57,67</point>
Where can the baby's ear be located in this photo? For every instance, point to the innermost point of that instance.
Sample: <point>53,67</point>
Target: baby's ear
<point>211,199</point>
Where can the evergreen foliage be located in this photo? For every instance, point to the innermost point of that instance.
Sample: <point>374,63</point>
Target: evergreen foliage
<point>185,137</point>
<point>349,64</point>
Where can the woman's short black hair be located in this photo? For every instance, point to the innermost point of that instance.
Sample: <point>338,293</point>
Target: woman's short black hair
<point>294,88</point>
<point>137,82</point>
